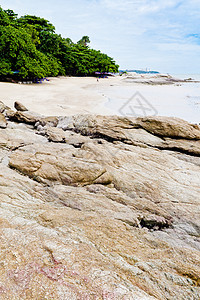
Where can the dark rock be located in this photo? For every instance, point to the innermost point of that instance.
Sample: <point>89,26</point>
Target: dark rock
<point>19,106</point>
<point>25,117</point>
<point>155,222</point>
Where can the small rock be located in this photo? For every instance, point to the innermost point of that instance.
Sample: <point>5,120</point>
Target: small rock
<point>48,121</point>
<point>55,134</point>
<point>19,106</point>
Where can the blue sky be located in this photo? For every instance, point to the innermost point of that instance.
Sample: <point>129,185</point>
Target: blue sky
<point>162,35</point>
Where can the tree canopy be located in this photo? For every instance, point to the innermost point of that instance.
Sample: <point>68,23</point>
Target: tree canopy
<point>29,47</point>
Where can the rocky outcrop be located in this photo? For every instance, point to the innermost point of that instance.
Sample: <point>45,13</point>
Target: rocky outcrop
<point>170,127</point>
<point>97,207</point>
<point>159,132</point>
<point>115,127</point>
<point>154,79</point>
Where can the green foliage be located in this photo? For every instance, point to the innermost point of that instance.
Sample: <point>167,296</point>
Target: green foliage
<point>19,53</point>
<point>30,46</point>
<point>10,13</point>
<point>4,18</point>
<point>68,41</point>
<point>5,68</point>
<point>84,41</point>
<point>30,29</point>
<point>40,24</point>
<point>50,43</point>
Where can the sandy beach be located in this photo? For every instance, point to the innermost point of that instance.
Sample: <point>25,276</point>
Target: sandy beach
<point>109,96</point>
<point>58,96</point>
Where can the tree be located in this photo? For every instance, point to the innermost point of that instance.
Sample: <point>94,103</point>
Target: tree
<point>30,46</point>
<point>40,24</point>
<point>5,68</point>
<point>18,52</point>
<point>12,16</point>
<point>84,41</point>
<point>4,18</point>
<point>68,41</point>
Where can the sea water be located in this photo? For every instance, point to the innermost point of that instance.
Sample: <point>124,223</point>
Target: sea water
<point>181,100</point>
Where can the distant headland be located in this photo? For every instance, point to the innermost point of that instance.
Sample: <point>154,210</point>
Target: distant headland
<point>140,71</point>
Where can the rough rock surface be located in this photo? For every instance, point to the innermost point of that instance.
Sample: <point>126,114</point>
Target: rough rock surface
<point>107,208</point>
<point>170,127</point>
<point>3,122</point>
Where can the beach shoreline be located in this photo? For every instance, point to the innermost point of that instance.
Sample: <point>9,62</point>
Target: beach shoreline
<point>108,96</point>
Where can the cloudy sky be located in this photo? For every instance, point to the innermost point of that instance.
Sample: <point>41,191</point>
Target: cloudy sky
<point>162,35</point>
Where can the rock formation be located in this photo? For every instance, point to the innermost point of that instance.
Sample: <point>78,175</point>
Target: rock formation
<point>96,207</point>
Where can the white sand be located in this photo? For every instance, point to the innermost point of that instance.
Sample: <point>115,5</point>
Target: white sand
<point>59,96</point>
<point>69,95</point>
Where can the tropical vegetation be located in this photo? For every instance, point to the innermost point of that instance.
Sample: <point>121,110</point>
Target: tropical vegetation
<point>30,48</point>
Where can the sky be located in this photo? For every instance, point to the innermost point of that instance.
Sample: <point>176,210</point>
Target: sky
<point>162,35</point>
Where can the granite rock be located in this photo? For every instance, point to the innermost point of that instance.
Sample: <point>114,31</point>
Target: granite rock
<point>106,209</point>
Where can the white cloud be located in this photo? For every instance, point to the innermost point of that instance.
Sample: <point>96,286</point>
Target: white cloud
<point>156,6</point>
<point>121,5</point>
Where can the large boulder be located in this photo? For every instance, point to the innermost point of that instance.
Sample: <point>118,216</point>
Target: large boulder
<point>170,127</point>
